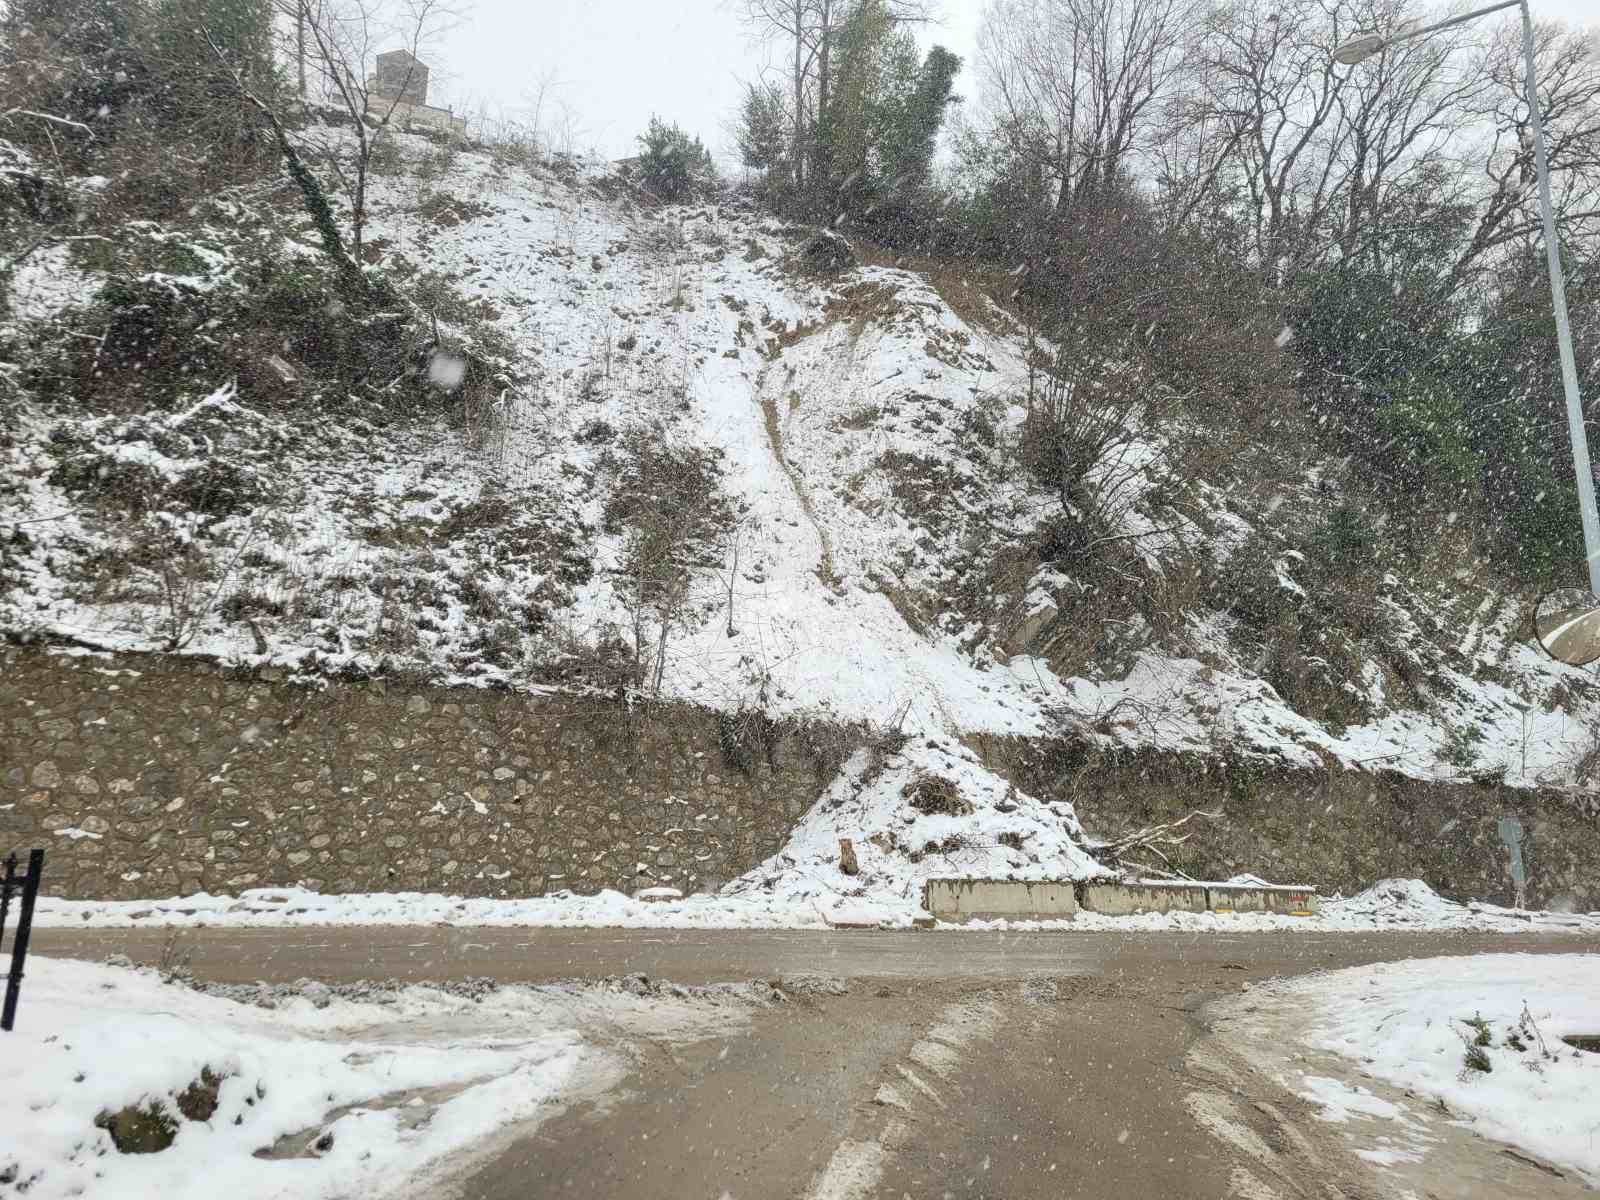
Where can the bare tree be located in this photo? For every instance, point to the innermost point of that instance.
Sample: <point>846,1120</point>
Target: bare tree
<point>344,38</point>
<point>1075,85</point>
<point>311,189</point>
<point>1567,65</point>
<point>789,21</point>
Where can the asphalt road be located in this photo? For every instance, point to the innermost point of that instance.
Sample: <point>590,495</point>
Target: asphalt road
<point>976,1066</point>
<point>412,953</point>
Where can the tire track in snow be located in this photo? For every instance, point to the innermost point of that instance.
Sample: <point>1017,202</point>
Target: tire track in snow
<point>858,1163</point>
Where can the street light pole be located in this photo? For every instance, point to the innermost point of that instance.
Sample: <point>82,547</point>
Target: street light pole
<point>1364,46</point>
<point>1558,299</point>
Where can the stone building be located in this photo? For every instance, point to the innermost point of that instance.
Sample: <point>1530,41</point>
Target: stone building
<point>399,89</point>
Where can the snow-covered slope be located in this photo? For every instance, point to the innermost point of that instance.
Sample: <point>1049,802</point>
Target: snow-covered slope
<point>851,434</point>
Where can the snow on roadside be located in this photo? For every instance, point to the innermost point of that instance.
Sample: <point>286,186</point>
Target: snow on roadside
<point>354,1106</point>
<point>745,904</point>
<point>1413,1024</point>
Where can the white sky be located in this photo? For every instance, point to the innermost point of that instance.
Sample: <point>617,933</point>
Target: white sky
<point>607,65</point>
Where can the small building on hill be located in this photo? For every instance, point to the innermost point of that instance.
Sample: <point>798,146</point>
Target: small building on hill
<point>398,89</point>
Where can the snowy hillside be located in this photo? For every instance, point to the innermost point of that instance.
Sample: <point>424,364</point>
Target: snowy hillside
<point>714,473</point>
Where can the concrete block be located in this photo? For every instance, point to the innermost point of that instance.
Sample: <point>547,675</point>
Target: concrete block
<point>1124,899</point>
<point>1289,901</point>
<point>992,899</point>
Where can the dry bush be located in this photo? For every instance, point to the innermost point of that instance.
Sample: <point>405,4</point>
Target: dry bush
<point>1081,434</point>
<point>749,737</point>
<point>935,795</point>
<point>669,506</point>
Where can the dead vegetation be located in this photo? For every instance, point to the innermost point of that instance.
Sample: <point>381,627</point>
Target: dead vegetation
<point>936,795</point>
<point>668,505</point>
<point>982,294</point>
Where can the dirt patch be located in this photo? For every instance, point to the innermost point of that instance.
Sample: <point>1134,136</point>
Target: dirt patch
<point>980,293</point>
<point>784,336</point>
<point>862,304</point>
<point>150,1127</point>
<point>447,211</point>
<point>198,1101</point>
<point>139,1128</point>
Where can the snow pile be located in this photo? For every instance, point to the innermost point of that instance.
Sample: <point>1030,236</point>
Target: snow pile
<point>930,810</point>
<point>1402,905</point>
<point>46,282</point>
<point>1400,902</point>
<point>1481,1034</point>
<point>342,1100</point>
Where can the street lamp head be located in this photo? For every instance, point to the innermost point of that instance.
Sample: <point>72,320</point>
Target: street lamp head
<point>1357,49</point>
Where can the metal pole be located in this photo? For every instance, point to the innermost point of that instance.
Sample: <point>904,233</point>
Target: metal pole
<point>1448,22</point>
<point>1558,297</point>
<point>19,944</point>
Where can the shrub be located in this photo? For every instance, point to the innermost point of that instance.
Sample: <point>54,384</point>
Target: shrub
<point>1079,435</point>
<point>672,163</point>
<point>1346,540</point>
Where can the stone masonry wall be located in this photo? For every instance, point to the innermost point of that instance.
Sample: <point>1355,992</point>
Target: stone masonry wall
<point>148,776</point>
<point>1339,830</point>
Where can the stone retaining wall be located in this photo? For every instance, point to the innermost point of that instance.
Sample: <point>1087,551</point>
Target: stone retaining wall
<point>1337,829</point>
<point>148,776</point>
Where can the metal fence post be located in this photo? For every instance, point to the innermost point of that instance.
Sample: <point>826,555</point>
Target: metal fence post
<point>19,943</point>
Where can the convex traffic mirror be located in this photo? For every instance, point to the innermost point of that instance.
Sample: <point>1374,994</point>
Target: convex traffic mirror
<point>1567,624</point>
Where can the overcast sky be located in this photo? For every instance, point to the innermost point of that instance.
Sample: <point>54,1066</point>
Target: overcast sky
<point>606,65</point>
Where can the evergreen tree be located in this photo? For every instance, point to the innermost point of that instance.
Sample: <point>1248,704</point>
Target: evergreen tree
<point>86,27</point>
<point>912,125</point>
<point>886,106</point>
<point>762,130</point>
<point>671,161</point>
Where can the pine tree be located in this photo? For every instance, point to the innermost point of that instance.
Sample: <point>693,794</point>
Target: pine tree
<point>761,133</point>
<point>671,161</point>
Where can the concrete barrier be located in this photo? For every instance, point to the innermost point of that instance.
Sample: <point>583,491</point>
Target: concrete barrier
<point>967,899</point>
<point>1124,899</point>
<point>992,899</point>
<point>1289,901</point>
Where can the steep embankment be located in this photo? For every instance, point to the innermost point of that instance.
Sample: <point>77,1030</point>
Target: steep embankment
<point>756,489</point>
